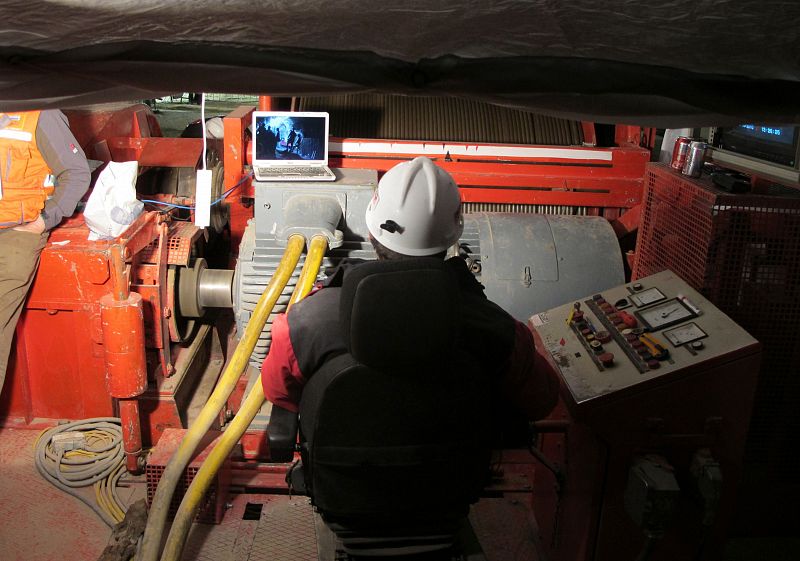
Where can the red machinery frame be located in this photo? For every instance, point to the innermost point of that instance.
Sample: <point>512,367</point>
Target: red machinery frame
<point>608,181</point>
<point>62,316</point>
<point>75,274</point>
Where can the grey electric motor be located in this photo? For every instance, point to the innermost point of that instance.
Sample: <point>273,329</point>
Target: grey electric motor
<point>527,262</point>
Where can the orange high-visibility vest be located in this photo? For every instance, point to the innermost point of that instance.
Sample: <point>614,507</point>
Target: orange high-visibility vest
<point>25,178</point>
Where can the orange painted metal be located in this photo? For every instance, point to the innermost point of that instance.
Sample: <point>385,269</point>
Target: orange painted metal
<point>266,103</point>
<point>628,222</point>
<point>123,345</point>
<point>235,158</point>
<point>131,132</point>
<point>589,133</point>
<point>613,182</point>
<point>627,135</point>
<point>58,369</point>
<point>130,422</point>
<point>157,152</point>
<point>93,127</point>
<point>122,322</point>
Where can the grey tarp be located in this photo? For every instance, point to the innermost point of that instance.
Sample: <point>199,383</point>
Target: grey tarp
<point>669,63</point>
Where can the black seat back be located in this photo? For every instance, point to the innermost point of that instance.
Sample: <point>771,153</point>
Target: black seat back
<point>392,432</point>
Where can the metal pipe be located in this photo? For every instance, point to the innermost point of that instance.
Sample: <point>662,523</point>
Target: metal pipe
<point>119,284</point>
<point>131,434</point>
<point>173,473</point>
<point>233,432</point>
<point>265,103</point>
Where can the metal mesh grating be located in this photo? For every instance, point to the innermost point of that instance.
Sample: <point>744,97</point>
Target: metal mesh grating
<point>179,244</point>
<point>208,511</point>
<point>212,507</point>
<point>400,117</point>
<point>743,253</point>
<point>467,208</point>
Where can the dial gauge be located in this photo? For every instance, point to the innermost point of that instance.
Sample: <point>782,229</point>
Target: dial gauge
<point>665,314</point>
<point>647,297</point>
<point>684,334</point>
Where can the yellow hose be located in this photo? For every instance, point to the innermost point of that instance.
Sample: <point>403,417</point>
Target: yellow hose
<point>208,471</point>
<point>316,251</point>
<point>159,508</point>
<point>233,432</point>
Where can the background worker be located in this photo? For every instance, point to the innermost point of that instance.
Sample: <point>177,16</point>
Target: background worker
<point>43,175</point>
<point>415,212</point>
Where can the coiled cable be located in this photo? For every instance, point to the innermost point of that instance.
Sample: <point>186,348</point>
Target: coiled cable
<point>100,462</point>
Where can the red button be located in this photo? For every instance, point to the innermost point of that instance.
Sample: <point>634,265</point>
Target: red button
<point>628,319</point>
<point>606,359</point>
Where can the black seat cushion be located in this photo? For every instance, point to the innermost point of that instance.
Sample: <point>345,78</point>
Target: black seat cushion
<point>396,315</point>
<point>377,446</point>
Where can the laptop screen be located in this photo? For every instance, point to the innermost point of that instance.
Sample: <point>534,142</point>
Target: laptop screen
<point>288,138</point>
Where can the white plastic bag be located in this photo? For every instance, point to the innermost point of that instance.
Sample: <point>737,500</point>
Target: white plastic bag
<point>113,206</point>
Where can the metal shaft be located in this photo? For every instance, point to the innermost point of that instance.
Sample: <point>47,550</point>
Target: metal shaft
<point>215,288</point>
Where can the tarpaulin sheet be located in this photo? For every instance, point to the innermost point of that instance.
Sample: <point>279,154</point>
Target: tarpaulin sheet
<point>671,63</point>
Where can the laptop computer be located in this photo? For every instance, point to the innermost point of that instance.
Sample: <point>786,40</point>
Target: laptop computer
<point>289,146</point>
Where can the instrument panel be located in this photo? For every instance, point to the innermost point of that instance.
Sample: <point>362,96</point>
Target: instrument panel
<point>634,335</point>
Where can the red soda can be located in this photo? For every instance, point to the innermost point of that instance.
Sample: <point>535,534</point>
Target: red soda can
<point>679,152</point>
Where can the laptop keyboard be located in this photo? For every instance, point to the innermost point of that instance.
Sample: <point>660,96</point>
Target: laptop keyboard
<point>282,171</point>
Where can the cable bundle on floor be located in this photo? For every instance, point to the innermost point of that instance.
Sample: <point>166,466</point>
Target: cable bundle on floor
<point>84,453</point>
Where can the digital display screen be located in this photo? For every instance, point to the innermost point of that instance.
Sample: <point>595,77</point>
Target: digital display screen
<point>285,137</point>
<point>771,143</point>
<point>784,135</point>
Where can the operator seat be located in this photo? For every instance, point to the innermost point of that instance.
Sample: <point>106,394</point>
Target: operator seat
<point>393,445</point>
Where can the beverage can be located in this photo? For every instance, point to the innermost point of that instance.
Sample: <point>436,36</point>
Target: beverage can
<point>694,159</point>
<point>679,152</point>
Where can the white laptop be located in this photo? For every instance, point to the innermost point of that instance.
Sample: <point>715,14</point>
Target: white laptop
<point>290,146</point>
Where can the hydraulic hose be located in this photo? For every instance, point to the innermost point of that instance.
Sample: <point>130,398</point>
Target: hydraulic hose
<point>208,471</point>
<point>316,251</point>
<point>173,473</point>
<point>233,432</point>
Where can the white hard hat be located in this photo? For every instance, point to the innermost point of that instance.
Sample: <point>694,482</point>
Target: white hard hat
<point>416,209</point>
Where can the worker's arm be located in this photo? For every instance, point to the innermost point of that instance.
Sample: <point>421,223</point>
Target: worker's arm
<point>68,163</point>
<point>530,383</point>
<point>280,374</point>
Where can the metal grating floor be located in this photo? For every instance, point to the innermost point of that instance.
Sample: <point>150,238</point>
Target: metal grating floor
<point>284,531</point>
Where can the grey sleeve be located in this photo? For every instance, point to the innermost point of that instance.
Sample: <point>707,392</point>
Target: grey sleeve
<point>67,161</point>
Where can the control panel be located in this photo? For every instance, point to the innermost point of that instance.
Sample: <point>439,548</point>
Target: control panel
<point>634,335</point>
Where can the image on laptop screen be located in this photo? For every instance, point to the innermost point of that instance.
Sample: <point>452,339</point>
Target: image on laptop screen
<point>290,138</point>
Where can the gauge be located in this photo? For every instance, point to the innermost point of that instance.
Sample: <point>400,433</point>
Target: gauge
<point>684,334</point>
<point>646,297</point>
<point>664,314</point>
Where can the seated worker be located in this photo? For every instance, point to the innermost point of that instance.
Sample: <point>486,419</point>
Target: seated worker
<point>415,212</point>
<point>44,175</point>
